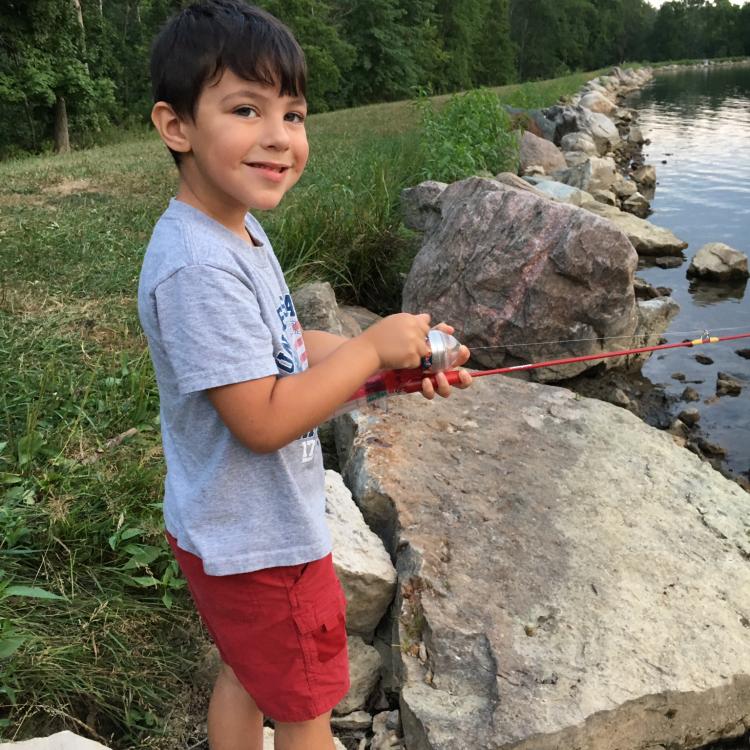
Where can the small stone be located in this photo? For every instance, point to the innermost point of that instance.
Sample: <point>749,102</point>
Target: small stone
<point>422,652</point>
<point>644,290</point>
<point>690,394</point>
<point>726,385</point>
<point>678,376</point>
<point>678,428</point>
<point>744,353</point>
<point>703,359</point>
<point>618,397</point>
<point>393,722</point>
<point>353,721</point>
<point>711,449</point>
<point>669,261</point>
<point>690,416</point>
<point>665,291</point>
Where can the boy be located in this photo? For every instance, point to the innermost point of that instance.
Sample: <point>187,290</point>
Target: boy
<point>242,388</point>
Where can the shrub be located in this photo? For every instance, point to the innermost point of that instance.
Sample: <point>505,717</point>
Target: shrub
<point>472,134</point>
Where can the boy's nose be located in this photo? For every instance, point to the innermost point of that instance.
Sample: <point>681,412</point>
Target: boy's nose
<point>275,135</point>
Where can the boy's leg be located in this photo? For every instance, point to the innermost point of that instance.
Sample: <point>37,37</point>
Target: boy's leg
<point>314,734</point>
<point>234,721</point>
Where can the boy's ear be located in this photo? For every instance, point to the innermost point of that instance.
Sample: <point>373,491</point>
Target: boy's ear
<point>170,127</point>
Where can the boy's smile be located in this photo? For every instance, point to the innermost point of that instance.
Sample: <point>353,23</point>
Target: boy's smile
<point>247,147</point>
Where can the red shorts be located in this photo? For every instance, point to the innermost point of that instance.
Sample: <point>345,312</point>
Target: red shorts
<point>282,630</point>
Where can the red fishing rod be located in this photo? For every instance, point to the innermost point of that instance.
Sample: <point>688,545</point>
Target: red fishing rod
<point>444,354</point>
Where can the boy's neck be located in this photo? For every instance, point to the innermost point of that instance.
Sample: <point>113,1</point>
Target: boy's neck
<point>233,218</point>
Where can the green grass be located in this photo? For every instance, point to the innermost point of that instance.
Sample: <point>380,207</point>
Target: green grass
<point>96,633</point>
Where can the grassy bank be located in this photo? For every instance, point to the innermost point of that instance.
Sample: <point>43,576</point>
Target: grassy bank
<point>96,634</point>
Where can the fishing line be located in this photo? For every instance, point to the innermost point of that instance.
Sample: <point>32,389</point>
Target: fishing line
<point>672,334</point>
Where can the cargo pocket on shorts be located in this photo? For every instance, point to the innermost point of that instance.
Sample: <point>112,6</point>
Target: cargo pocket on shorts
<point>324,623</point>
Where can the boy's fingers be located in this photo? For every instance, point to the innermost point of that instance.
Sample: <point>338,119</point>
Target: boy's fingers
<point>465,378</point>
<point>443,387</point>
<point>463,355</point>
<point>444,327</point>
<point>427,390</point>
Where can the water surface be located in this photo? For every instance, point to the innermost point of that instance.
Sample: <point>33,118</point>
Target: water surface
<point>698,121</point>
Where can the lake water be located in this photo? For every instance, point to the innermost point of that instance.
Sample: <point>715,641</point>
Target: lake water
<point>698,121</point>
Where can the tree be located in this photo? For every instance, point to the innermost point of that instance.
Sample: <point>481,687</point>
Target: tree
<point>495,52</point>
<point>329,56</point>
<point>384,67</point>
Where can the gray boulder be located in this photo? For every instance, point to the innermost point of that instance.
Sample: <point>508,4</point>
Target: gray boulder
<point>318,310</point>
<point>509,269</point>
<point>420,205</point>
<point>579,119</point>
<point>637,205</point>
<point>718,262</point>
<point>361,562</point>
<point>595,173</point>
<point>538,151</point>
<point>579,142</point>
<point>598,102</point>
<point>559,191</point>
<point>568,576</point>
<point>647,238</point>
<point>364,673</point>
<point>61,741</point>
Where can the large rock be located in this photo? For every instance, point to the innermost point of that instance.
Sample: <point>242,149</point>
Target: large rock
<point>317,310</point>
<point>718,262</point>
<point>510,269</point>
<point>362,564</point>
<point>598,102</point>
<point>592,174</point>
<point>535,150</point>
<point>571,578</point>
<point>579,142</point>
<point>60,741</point>
<point>268,741</point>
<point>364,673</point>
<point>579,119</point>
<point>647,238</point>
<point>559,191</point>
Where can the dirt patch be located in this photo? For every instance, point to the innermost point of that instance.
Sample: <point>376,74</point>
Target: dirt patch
<point>66,187</point>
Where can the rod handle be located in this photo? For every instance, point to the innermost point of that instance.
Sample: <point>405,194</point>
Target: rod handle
<point>413,383</point>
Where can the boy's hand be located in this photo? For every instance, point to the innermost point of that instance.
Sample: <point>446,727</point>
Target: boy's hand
<point>443,388</point>
<point>400,340</point>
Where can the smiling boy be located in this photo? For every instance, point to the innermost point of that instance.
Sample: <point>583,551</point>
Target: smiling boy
<point>242,388</point>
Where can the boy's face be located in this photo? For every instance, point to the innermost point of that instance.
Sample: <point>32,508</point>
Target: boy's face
<point>248,146</point>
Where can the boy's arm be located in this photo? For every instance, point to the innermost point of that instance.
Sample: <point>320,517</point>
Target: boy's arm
<point>319,344</point>
<point>269,413</point>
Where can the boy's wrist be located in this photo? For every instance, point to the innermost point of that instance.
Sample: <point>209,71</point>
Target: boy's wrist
<point>365,351</point>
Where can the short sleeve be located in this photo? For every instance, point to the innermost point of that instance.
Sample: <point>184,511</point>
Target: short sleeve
<point>211,329</point>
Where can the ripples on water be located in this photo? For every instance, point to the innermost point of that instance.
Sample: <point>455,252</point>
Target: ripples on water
<point>699,123</point>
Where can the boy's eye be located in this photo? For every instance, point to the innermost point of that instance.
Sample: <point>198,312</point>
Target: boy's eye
<point>295,117</point>
<point>246,111</point>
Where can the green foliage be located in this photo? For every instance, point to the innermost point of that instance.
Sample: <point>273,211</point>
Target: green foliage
<point>358,51</point>
<point>472,134</point>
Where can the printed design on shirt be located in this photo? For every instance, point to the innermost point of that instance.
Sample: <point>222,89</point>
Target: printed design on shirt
<point>308,441</point>
<point>291,358</point>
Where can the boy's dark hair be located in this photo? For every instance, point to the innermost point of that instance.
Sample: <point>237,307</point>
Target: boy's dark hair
<point>200,42</point>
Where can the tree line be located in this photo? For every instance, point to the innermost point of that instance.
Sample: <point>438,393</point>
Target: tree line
<point>70,69</point>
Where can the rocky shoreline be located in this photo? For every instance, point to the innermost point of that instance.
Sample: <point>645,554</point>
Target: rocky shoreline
<point>588,152</point>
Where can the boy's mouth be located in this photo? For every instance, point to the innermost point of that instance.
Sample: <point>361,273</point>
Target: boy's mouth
<point>278,168</point>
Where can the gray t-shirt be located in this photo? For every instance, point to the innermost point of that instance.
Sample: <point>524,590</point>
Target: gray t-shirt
<point>217,310</point>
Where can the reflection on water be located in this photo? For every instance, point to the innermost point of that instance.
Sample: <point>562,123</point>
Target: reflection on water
<point>710,293</point>
<point>699,124</point>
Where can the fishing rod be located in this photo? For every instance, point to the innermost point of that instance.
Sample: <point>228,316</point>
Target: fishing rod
<point>445,352</point>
